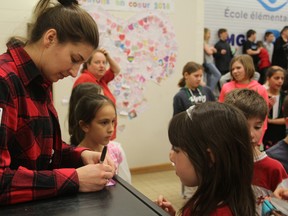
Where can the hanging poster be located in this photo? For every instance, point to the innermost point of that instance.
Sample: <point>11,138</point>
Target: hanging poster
<point>240,16</point>
<point>145,48</point>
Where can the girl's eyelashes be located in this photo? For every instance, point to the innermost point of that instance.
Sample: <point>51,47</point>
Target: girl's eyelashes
<point>258,127</point>
<point>75,60</point>
<point>105,122</point>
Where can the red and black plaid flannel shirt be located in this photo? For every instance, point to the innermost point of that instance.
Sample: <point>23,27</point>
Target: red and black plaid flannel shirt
<point>32,153</point>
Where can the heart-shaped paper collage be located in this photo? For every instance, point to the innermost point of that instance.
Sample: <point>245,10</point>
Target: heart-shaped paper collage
<point>145,48</point>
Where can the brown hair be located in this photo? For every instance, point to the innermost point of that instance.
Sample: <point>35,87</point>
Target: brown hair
<point>77,93</point>
<point>273,69</point>
<point>189,67</point>
<point>220,31</point>
<point>247,62</point>
<point>72,23</point>
<point>249,102</point>
<point>85,64</point>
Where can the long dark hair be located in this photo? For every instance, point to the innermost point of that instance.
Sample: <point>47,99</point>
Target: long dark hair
<point>78,92</point>
<point>189,67</point>
<point>223,129</point>
<point>86,110</point>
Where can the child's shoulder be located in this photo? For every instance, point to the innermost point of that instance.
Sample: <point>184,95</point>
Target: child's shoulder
<point>182,90</point>
<point>270,165</point>
<point>229,86</point>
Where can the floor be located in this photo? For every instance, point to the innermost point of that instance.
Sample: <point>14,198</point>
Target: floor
<point>165,183</point>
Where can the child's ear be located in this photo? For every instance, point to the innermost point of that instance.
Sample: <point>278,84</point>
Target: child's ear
<point>185,74</point>
<point>84,126</point>
<point>211,156</point>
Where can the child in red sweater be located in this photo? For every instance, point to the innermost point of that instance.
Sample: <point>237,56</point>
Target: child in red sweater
<point>268,173</point>
<point>264,62</point>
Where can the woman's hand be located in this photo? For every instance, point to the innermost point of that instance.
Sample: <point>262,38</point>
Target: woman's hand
<point>94,177</point>
<point>104,51</point>
<point>92,157</point>
<point>112,63</point>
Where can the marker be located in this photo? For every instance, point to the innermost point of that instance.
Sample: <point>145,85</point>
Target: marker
<point>103,154</point>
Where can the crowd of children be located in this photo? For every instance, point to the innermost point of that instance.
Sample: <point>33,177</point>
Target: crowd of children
<point>262,101</point>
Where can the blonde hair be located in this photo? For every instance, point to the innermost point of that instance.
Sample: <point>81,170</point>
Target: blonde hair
<point>206,31</point>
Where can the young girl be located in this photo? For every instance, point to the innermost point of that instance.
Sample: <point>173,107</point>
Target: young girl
<point>78,92</point>
<point>221,164</point>
<point>213,74</point>
<point>242,71</point>
<point>191,91</point>
<point>91,124</point>
<point>276,123</point>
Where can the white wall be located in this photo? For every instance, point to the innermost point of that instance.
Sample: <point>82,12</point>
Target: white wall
<point>14,16</point>
<point>145,138</point>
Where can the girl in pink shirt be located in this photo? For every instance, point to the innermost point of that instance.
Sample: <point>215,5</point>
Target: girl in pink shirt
<point>91,124</point>
<point>242,71</point>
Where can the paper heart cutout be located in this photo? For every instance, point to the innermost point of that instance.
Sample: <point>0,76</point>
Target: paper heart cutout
<point>122,37</point>
<point>145,48</point>
<point>127,43</point>
<point>130,58</point>
<point>141,22</point>
<point>127,51</point>
<point>125,103</point>
<point>130,27</point>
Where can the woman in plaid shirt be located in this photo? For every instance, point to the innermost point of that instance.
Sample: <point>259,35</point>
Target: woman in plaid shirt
<point>34,161</point>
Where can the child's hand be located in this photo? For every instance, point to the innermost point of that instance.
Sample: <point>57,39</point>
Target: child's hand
<point>281,193</point>
<point>272,101</point>
<point>166,205</point>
